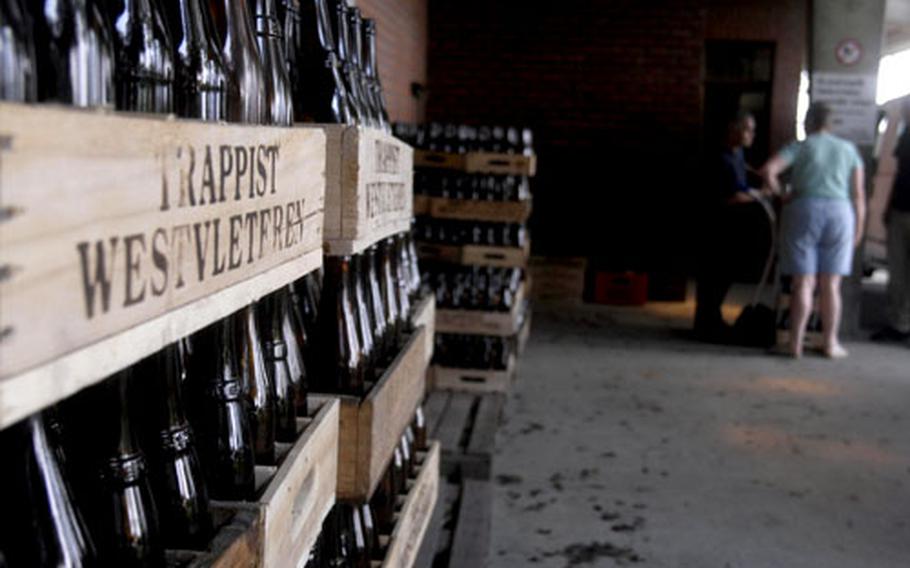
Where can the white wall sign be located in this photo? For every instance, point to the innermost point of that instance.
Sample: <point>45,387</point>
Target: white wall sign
<point>852,100</point>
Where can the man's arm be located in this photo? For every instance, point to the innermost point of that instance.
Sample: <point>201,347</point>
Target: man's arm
<point>858,195</point>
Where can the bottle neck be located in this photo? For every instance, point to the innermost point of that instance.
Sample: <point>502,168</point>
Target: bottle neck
<point>170,369</point>
<point>369,31</point>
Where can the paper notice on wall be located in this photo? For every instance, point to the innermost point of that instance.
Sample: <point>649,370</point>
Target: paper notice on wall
<point>852,99</point>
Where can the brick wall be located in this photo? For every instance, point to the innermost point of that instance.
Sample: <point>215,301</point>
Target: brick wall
<point>401,50</point>
<point>614,92</point>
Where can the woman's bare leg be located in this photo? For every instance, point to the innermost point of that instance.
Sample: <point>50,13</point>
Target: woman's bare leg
<point>831,303</point>
<point>800,309</point>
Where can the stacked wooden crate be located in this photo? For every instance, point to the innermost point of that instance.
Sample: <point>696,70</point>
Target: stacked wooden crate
<point>122,234</point>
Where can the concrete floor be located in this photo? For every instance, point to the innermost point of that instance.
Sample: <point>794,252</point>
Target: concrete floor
<point>625,443</point>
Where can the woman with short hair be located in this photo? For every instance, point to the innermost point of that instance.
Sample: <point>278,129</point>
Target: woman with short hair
<point>820,229</point>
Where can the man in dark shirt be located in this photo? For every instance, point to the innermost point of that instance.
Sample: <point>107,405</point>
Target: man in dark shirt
<point>729,192</point>
<point>897,219</point>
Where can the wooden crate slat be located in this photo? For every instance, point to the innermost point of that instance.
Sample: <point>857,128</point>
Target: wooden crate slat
<point>478,162</point>
<point>435,539</point>
<point>120,219</point>
<point>236,542</point>
<point>369,187</point>
<point>452,426</point>
<point>371,427</point>
<point>415,514</point>
<point>503,257</point>
<point>28,392</point>
<point>486,422</point>
<point>424,314</point>
<point>476,209</point>
<point>471,541</point>
<point>434,409</point>
<point>474,380</point>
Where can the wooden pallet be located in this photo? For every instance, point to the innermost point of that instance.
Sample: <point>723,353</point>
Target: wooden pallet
<point>504,257</point>
<point>480,322</point>
<point>475,209</point>
<point>478,162</point>
<point>122,233</point>
<point>369,187</point>
<point>372,426</point>
<point>474,380</point>
<point>459,532</point>
<point>296,495</point>
<point>413,518</point>
<point>424,314</point>
<point>465,425</point>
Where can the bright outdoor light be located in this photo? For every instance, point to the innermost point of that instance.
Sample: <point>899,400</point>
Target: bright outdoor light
<point>893,76</point>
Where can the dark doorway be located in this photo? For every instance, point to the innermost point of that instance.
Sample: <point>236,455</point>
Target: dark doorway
<point>738,75</point>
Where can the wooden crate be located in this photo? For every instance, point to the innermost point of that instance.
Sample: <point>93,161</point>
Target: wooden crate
<point>402,546</point>
<point>237,542</point>
<point>465,425</point>
<point>558,279</point>
<point>421,204</point>
<point>295,496</point>
<point>369,187</point>
<point>503,257</point>
<point>123,233</point>
<point>477,210</point>
<point>480,322</point>
<point>474,380</point>
<point>371,427</point>
<point>478,162</point>
<point>424,314</point>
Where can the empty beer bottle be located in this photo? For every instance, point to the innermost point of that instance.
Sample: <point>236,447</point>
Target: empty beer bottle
<point>18,79</point>
<point>257,387</point>
<point>337,345</point>
<point>74,53</point>
<point>360,551</point>
<point>399,268</point>
<point>296,340</point>
<point>362,315</point>
<point>371,71</point>
<point>388,282</point>
<point>129,518</point>
<point>342,44</point>
<point>144,69</point>
<point>200,80</point>
<point>370,536</point>
<point>375,305</point>
<point>221,420</point>
<point>247,100</point>
<point>40,524</point>
<point>180,490</point>
<point>320,94</point>
<point>420,429</point>
<point>276,357</point>
<point>355,54</point>
<point>270,38</point>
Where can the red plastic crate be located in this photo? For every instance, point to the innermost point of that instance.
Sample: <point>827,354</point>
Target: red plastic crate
<point>621,288</point>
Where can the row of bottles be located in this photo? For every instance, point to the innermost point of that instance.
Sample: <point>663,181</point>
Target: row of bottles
<point>122,470</point>
<point>365,313</point>
<point>463,138</point>
<point>249,62</point>
<point>459,233</point>
<point>350,533</point>
<point>472,351</point>
<point>455,185</point>
<point>485,288</point>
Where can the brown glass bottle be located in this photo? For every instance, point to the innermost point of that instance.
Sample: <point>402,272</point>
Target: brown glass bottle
<point>257,387</point>
<point>270,38</point>
<point>177,478</point>
<point>144,65</point>
<point>18,79</point>
<point>375,304</point>
<point>276,357</point>
<point>371,70</point>
<point>420,429</point>
<point>320,94</point>
<point>247,100</point>
<point>364,323</point>
<point>129,518</point>
<point>40,524</point>
<point>337,346</point>
<point>295,338</point>
<point>220,419</point>
<point>342,44</point>
<point>355,55</point>
<point>400,277</point>
<point>74,53</point>
<point>388,283</point>
<point>200,80</point>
